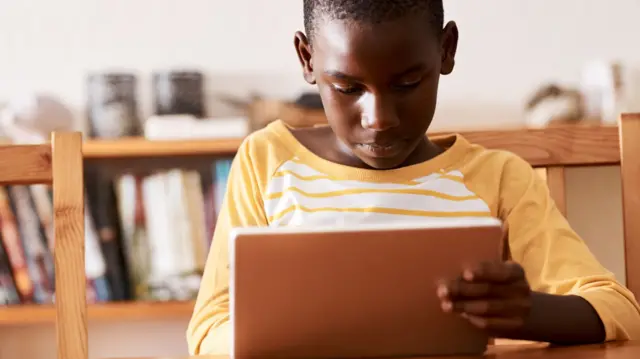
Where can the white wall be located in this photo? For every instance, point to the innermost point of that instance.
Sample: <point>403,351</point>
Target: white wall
<point>507,48</point>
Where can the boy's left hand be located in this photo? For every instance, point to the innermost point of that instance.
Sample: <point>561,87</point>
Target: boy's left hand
<point>494,296</point>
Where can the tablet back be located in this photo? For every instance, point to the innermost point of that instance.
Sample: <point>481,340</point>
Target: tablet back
<point>358,292</point>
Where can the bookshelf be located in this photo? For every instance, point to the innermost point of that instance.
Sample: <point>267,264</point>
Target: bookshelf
<point>119,152</point>
<point>578,144</point>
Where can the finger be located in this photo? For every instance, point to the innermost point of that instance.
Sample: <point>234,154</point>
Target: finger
<point>460,289</point>
<point>498,272</point>
<point>493,308</point>
<point>495,324</point>
<point>443,290</point>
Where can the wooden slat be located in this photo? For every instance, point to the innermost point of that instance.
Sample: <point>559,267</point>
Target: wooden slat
<point>104,312</point>
<point>555,146</point>
<point>554,176</point>
<point>564,145</point>
<point>25,164</point>
<point>557,187</point>
<point>630,176</point>
<point>139,147</point>
<point>68,211</point>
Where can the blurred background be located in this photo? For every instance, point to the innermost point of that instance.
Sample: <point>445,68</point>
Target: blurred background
<point>197,71</point>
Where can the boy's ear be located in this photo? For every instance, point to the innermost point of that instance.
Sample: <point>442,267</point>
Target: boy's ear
<point>303,49</point>
<point>449,48</point>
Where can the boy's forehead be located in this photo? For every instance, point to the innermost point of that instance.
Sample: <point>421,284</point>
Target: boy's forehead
<point>340,43</point>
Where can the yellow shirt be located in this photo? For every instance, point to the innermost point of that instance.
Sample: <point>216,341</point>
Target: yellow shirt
<point>275,181</point>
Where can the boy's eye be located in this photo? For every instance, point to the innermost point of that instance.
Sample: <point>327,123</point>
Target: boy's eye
<point>409,84</point>
<point>348,90</point>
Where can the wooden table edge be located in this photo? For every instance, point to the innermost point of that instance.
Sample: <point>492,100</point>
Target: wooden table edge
<point>611,350</point>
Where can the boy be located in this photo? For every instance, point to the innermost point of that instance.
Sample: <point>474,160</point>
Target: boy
<point>377,65</point>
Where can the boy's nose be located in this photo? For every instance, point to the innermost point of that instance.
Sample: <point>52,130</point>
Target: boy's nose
<point>378,115</point>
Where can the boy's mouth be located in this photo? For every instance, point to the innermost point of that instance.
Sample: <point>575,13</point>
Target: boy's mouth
<point>386,150</point>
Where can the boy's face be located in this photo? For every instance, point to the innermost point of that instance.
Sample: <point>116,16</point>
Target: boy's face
<point>378,83</point>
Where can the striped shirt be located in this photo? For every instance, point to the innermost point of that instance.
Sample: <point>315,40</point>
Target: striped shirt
<point>299,194</point>
<point>276,181</point>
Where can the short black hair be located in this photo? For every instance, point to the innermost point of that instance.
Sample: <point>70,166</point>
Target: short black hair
<point>371,11</point>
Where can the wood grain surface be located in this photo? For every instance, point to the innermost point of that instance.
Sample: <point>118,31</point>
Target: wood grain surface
<point>630,176</point>
<point>68,212</point>
<point>563,145</point>
<point>25,164</point>
<point>628,350</point>
<point>555,146</point>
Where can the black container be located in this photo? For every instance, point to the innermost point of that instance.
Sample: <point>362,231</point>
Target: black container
<point>179,93</point>
<point>112,105</point>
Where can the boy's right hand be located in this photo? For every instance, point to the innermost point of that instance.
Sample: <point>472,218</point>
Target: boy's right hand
<point>494,296</point>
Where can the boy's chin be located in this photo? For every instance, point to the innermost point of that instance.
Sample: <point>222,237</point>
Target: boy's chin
<point>384,163</point>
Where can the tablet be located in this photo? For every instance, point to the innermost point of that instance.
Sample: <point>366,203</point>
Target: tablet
<point>353,292</point>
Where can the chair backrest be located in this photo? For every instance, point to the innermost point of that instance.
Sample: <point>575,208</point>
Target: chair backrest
<point>59,164</point>
<point>552,150</point>
<point>630,176</point>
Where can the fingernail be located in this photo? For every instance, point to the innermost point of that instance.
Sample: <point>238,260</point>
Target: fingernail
<point>447,306</point>
<point>467,275</point>
<point>443,291</point>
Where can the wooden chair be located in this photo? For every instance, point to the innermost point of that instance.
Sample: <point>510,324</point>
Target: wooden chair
<point>59,164</point>
<point>552,150</point>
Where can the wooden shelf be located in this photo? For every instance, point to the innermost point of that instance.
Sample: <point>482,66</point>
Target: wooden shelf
<point>142,148</point>
<point>114,312</point>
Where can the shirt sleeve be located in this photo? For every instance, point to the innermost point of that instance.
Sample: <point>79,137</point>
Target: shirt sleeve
<point>556,260</point>
<point>209,331</point>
